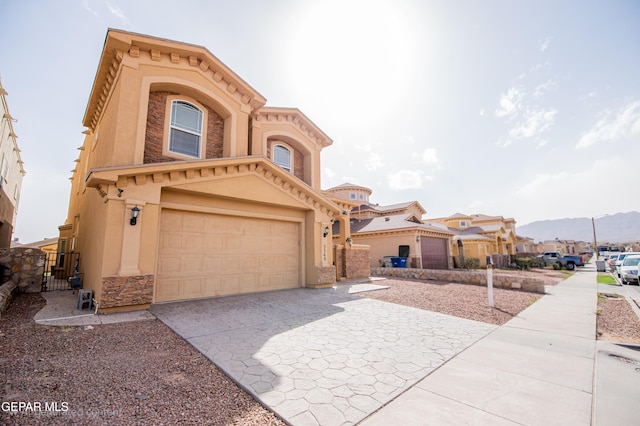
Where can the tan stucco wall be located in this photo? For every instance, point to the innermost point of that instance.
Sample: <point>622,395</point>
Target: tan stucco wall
<point>387,245</point>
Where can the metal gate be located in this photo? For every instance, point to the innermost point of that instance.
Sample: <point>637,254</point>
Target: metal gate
<point>59,267</point>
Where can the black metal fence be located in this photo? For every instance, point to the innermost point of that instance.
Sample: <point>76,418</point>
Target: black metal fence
<point>59,267</point>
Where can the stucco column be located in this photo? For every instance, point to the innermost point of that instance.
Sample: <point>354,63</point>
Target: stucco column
<point>130,257</point>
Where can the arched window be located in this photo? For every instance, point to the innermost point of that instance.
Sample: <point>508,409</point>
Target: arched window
<point>282,157</point>
<point>186,129</point>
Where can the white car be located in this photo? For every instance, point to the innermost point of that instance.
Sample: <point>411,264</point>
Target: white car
<point>619,261</point>
<point>629,269</point>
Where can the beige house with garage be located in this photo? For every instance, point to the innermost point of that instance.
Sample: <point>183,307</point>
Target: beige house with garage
<point>187,186</point>
<point>396,230</point>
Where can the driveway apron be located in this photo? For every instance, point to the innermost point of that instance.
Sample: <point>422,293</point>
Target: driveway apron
<point>320,357</point>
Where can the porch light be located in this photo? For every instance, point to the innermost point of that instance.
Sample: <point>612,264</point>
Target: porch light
<point>135,212</point>
<point>326,232</point>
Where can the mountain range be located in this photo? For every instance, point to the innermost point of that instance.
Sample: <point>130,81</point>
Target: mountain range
<point>616,228</point>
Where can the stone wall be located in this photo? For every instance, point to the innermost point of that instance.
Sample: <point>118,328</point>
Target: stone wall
<point>118,292</point>
<point>534,285</point>
<point>326,276</point>
<point>356,261</point>
<point>6,293</point>
<point>25,267</point>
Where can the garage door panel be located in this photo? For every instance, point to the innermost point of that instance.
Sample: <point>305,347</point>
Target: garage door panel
<point>225,255</point>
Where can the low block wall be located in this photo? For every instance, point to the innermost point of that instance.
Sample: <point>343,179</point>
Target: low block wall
<point>25,267</point>
<point>533,285</point>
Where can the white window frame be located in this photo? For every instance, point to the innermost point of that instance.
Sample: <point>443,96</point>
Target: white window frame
<point>168,126</point>
<point>274,149</point>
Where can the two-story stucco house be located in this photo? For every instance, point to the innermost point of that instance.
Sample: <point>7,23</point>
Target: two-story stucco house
<point>188,186</point>
<point>478,236</point>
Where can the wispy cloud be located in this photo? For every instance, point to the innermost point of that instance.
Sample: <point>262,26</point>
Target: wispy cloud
<point>543,88</point>
<point>610,127</point>
<point>405,179</point>
<point>510,103</point>
<point>85,4</point>
<point>544,44</point>
<point>535,122</point>
<point>430,157</point>
<point>374,162</point>
<point>117,12</point>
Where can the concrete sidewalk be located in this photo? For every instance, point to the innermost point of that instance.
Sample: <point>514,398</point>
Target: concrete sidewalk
<point>538,369</point>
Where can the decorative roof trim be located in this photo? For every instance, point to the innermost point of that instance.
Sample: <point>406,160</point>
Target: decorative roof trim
<point>297,119</point>
<point>177,54</point>
<point>168,174</point>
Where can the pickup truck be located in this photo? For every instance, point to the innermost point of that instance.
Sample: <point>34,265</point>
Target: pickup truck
<point>557,258</point>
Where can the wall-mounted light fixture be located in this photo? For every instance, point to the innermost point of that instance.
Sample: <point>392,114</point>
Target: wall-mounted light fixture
<point>120,191</point>
<point>349,240</point>
<point>326,232</point>
<point>135,212</point>
<point>417,238</point>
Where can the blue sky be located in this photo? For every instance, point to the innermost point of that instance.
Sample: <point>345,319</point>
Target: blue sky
<point>524,109</point>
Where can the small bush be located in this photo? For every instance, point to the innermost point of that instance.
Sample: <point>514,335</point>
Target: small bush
<point>471,263</point>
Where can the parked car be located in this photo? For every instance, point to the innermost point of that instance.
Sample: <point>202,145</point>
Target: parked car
<point>620,259</point>
<point>611,261</point>
<point>629,269</point>
<point>557,258</point>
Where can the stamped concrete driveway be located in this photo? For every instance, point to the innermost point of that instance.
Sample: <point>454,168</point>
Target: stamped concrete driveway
<point>323,357</point>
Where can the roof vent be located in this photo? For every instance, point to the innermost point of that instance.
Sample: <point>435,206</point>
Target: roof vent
<point>387,219</point>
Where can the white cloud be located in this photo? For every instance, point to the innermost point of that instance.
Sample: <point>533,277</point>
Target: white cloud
<point>329,173</point>
<point>609,128</point>
<point>374,161</point>
<point>536,122</point>
<point>544,44</point>
<point>405,179</point>
<point>85,4</point>
<point>117,12</point>
<point>510,103</point>
<point>430,157</point>
<point>543,88</point>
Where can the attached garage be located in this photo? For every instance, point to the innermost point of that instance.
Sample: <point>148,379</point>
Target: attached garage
<point>434,253</point>
<point>206,254</point>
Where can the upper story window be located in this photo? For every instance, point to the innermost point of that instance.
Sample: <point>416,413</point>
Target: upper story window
<point>282,157</point>
<point>186,129</point>
<point>352,196</point>
<point>463,224</point>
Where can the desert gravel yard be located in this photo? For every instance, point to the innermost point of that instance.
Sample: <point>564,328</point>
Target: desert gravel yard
<point>119,374</point>
<point>461,300</point>
<point>616,321</point>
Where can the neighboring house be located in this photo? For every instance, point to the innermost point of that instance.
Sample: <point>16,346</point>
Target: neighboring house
<point>48,245</point>
<point>478,236</point>
<point>528,245</point>
<point>564,246</point>
<point>187,186</point>
<point>394,230</point>
<point>11,172</point>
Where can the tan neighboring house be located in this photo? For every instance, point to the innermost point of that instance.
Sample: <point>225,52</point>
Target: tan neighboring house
<point>11,172</point>
<point>188,186</point>
<point>478,236</point>
<point>563,246</point>
<point>394,230</point>
<point>528,245</point>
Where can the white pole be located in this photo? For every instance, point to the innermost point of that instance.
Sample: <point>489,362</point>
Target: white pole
<point>490,283</point>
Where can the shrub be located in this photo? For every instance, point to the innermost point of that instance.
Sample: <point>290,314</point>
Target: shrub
<point>471,263</point>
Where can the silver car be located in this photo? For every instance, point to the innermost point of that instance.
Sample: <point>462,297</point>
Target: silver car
<point>629,269</point>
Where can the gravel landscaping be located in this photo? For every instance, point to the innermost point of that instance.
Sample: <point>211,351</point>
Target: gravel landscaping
<point>616,320</point>
<point>143,373</point>
<point>460,300</point>
<point>120,374</point>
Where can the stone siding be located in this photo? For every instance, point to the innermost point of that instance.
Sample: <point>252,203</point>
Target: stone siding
<point>326,276</point>
<point>529,284</point>
<point>356,262</point>
<point>25,267</point>
<point>126,291</point>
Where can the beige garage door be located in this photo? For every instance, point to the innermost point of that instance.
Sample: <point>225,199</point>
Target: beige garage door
<point>204,255</point>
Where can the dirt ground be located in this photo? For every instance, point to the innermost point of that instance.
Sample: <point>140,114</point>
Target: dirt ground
<point>616,320</point>
<point>120,374</point>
